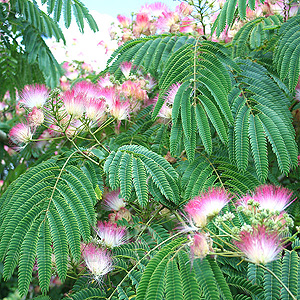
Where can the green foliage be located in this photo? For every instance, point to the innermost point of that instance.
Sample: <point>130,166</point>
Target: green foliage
<point>34,63</point>
<point>127,168</point>
<point>45,206</point>
<point>286,55</point>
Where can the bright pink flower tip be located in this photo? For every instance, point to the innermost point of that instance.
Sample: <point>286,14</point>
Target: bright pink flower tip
<point>113,201</point>
<point>259,246</point>
<point>126,68</point>
<point>110,234</point>
<point>74,104</point>
<point>98,260</point>
<point>171,93</point>
<point>20,134</point>
<point>272,197</point>
<point>34,95</point>
<point>207,205</point>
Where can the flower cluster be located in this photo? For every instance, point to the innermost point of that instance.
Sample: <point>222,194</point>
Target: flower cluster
<point>260,240</point>
<point>82,107</point>
<point>155,18</point>
<point>97,255</point>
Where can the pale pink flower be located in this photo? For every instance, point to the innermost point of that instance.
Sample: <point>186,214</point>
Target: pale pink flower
<point>126,68</point>
<point>184,9</point>
<point>20,133</point>
<point>95,108</point>
<point>36,117</point>
<point>98,260</point>
<point>88,89</point>
<point>171,93</point>
<point>87,67</point>
<point>187,25</point>
<point>154,9</point>
<point>207,205</point>
<point>259,246</point>
<point>165,112</point>
<point>110,95</point>
<point>43,139</point>
<point>133,90</point>
<point>113,201</point>
<point>124,21</point>
<point>110,234</point>
<point>54,130</point>
<point>274,198</point>
<point>3,106</point>
<point>105,82</point>
<point>120,109</point>
<point>74,104</point>
<point>200,246</point>
<point>168,22</point>
<point>71,71</point>
<point>34,95</point>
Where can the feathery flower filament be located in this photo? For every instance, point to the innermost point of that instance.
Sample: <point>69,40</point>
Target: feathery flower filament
<point>204,207</point>
<point>110,234</point>
<point>259,245</point>
<point>273,198</point>
<point>74,103</point>
<point>113,201</point>
<point>20,134</point>
<point>34,95</point>
<point>98,260</point>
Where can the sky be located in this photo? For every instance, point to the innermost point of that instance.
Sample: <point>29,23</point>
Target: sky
<point>115,7</point>
<point>85,47</point>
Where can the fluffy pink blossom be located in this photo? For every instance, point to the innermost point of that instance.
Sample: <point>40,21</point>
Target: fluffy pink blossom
<point>200,246</point>
<point>171,93</point>
<point>98,260</point>
<point>184,9</point>
<point>207,205</point>
<point>36,117</point>
<point>274,198</point>
<point>20,134</point>
<point>187,25</point>
<point>110,234</point>
<point>88,89</point>
<point>126,68</point>
<point>165,111</point>
<point>34,95</point>
<point>74,104</point>
<point>113,201</point>
<point>133,90</point>
<point>105,82</point>
<point>154,9</point>
<point>120,109</point>
<point>259,246</point>
<point>124,21</point>
<point>110,95</point>
<point>95,108</point>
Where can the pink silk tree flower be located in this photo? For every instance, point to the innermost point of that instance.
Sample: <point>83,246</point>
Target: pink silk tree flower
<point>207,205</point>
<point>36,117</point>
<point>95,108</point>
<point>124,21</point>
<point>113,201</point>
<point>200,246</point>
<point>126,68</point>
<point>34,95</point>
<point>87,88</point>
<point>259,246</point>
<point>120,109</point>
<point>98,260</point>
<point>272,197</point>
<point>20,134</point>
<point>74,104</point>
<point>110,234</point>
<point>171,93</point>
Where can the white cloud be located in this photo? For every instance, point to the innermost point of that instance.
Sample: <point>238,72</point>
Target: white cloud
<point>85,47</point>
